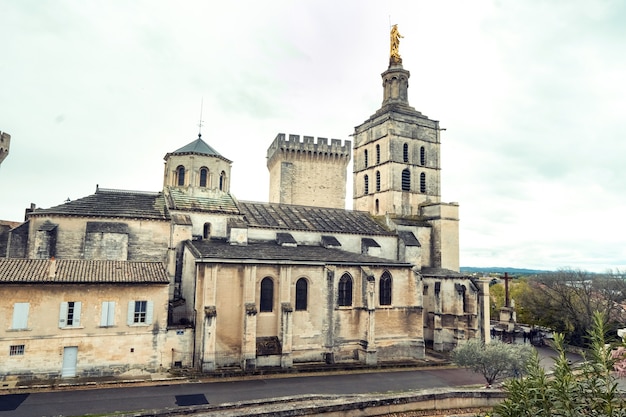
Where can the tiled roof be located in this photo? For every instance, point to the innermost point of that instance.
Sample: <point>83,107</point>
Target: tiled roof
<point>308,218</point>
<point>198,147</point>
<point>114,203</point>
<point>207,200</point>
<point>408,238</point>
<point>216,249</point>
<point>81,271</point>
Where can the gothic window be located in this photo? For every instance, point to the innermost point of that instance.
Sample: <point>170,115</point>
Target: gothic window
<point>377,180</point>
<point>223,181</point>
<point>367,187</point>
<point>301,294</point>
<point>422,182</point>
<point>384,289</point>
<point>345,291</point>
<point>377,206</point>
<point>365,155</point>
<point>206,231</point>
<point>204,175</point>
<point>422,156</point>
<point>405,152</point>
<point>406,180</point>
<point>377,154</point>
<point>180,173</point>
<point>267,295</point>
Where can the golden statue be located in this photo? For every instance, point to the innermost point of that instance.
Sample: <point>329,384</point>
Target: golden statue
<point>394,54</point>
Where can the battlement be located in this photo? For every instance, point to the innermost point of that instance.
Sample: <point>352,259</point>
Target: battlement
<point>308,145</point>
<point>5,144</point>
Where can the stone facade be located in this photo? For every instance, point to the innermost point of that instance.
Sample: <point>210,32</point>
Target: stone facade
<point>5,144</point>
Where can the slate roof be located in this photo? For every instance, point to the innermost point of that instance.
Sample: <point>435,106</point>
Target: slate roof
<point>71,271</point>
<point>441,273</point>
<point>272,252</point>
<point>197,147</point>
<point>114,203</point>
<point>208,201</point>
<point>309,218</point>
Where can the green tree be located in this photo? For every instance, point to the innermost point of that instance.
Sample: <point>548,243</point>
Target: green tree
<point>495,360</point>
<point>590,390</point>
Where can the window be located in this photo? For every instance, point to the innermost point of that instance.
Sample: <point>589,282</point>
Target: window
<point>107,317</point>
<point>422,182</point>
<point>301,294</point>
<point>16,350</point>
<point>365,157</point>
<point>20,316</point>
<point>223,181</point>
<point>377,206</point>
<point>405,152</point>
<point>377,154</point>
<point>206,232</point>
<point>384,290</point>
<point>69,315</point>
<point>345,290</point>
<point>377,180</point>
<point>204,174</point>
<point>422,156</point>
<point>367,186</point>
<point>267,295</point>
<point>180,173</point>
<point>140,312</point>
<point>406,180</point>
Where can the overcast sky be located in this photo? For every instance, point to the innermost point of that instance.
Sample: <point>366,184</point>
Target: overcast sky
<point>532,95</point>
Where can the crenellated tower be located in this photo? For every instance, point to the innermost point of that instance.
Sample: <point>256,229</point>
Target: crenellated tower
<point>307,172</point>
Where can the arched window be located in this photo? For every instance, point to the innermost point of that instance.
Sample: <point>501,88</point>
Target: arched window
<point>344,296</point>
<point>222,181</point>
<point>405,152</point>
<point>267,294</point>
<point>377,180</point>
<point>204,175</point>
<point>377,154</point>
<point>365,157</point>
<point>301,294</point>
<point>206,232</point>
<point>384,289</point>
<point>406,180</point>
<point>422,156</point>
<point>180,173</point>
<point>377,206</point>
<point>367,186</point>
<point>422,182</point>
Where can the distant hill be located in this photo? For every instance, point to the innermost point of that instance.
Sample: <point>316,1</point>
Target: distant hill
<point>500,270</point>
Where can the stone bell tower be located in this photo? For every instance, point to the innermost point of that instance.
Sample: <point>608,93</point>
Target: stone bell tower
<point>397,166</point>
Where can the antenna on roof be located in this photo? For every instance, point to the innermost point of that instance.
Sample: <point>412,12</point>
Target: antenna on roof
<point>200,124</point>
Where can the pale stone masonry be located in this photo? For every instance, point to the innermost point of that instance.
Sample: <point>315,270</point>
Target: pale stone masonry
<point>5,144</point>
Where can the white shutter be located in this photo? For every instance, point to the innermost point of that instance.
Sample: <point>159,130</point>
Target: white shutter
<point>63,315</point>
<point>107,316</point>
<point>76,321</point>
<point>131,312</point>
<point>149,312</point>
<point>20,315</point>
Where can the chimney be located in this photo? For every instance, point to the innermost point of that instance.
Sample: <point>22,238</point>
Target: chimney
<point>52,267</point>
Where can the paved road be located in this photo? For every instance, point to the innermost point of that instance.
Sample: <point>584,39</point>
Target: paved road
<point>110,400</point>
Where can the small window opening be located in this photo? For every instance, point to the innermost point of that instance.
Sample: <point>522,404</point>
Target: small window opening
<point>406,180</point>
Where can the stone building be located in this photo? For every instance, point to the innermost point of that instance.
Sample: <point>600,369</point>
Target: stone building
<point>250,284</point>
<point>5,144</point>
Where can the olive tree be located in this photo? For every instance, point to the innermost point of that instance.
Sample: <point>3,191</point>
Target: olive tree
<point>495,360</point>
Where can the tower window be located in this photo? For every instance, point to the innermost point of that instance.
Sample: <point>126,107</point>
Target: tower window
<point>422,156</point>
<point>422,182</point>
<point>377,154</point>
<point>204,174</point>
<point>406,180</point>
<point>301,294</point>
<point>377,181</point>
<point>180,173</point>
<point>222,181</point>
<point>365,157</point>
<point>206,232</point>
<point>384,289</point>
<point>367,188</point>
<point>377,206</point>
<point>344,297</point>
<point>405,152</point>
<point>267,295</point>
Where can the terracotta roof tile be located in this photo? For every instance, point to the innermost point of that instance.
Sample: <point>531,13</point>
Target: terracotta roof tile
<point>81,271</point>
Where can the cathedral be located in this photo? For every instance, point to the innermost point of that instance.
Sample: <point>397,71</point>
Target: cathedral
<point>190,276</point>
